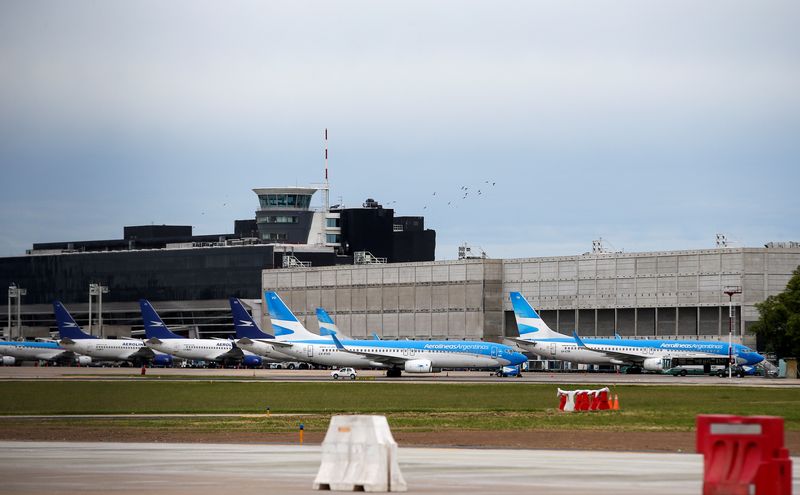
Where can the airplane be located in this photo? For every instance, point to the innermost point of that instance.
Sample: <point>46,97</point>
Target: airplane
<point>80,342</point>
<point>651,355</point>
<point>247,330</point>
<point>160,338</point>
<point>394,356</point>
<point>13,352</point>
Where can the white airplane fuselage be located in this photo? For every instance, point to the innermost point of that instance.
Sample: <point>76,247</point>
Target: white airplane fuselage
<point>105,349</point>
<point>193,349</point>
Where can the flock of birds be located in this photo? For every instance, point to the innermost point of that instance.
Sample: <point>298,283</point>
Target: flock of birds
<point>464,192</point>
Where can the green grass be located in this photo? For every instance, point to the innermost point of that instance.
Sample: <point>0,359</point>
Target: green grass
<point>420,407</point>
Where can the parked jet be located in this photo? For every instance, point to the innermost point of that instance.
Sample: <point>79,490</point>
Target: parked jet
<point>13,352</point>
<point>78,341</point>
<point>248,331</point>
<point>652,355</point>
<point>160,338</point>
<point>396,356</point>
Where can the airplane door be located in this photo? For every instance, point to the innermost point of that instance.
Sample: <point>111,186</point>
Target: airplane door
<point>553,349</point>
<point>310,350</point>
<point>494,352</point>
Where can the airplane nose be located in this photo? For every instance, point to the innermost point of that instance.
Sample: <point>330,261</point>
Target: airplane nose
<point>518,359</point>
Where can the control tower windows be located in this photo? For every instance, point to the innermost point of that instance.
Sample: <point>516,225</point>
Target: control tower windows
<point>278,219</point>
<point>301,201</point>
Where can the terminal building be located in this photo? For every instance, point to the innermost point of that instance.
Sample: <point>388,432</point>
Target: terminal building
<point>190,277</point>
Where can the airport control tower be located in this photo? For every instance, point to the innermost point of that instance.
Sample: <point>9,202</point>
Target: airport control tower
<point>285,216</point>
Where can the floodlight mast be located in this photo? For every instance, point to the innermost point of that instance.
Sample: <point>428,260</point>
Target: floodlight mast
<point>731,291</point>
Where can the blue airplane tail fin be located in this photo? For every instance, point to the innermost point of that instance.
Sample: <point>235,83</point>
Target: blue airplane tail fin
<point>67,327</point>
<point>284,322</point>
<point>326,324</point>
<point>154,327</point>
<point>530,324</point>
<point>245,325</point>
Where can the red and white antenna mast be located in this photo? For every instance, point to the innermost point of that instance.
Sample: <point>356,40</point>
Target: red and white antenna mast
<point>327,185</point>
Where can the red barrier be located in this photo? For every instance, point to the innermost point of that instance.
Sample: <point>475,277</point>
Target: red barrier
<point>603,398</point>
<point>742,453</point>
<point>562,401</point>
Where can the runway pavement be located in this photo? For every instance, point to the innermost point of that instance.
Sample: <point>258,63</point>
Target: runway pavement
<point>67,468</point>
<point>92,373</point>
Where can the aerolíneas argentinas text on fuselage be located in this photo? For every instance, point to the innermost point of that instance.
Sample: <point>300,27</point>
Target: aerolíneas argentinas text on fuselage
<point>536,337</point>
<point>293,339</point>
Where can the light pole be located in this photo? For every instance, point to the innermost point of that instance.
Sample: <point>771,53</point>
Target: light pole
<point>97,290</point>
<point>15,292</point>
<point>731,291</point>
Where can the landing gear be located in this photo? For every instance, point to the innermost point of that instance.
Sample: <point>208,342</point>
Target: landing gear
<point>393,373</point>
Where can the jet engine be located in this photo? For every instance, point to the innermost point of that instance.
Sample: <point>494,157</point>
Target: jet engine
<point>83,360</point>
<point>8,360</point>
<point>162,360</point>
<point>419,366</point>
<point>653,364</point>
<point>252,361</point>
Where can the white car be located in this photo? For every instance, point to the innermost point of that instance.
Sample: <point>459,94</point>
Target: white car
<point>344,372</point>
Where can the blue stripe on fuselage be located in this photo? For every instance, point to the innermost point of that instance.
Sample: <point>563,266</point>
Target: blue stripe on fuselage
<point>40,345</point>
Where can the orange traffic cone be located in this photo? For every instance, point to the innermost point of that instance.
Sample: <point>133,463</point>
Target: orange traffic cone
<point>610,402</point>
<point>615,405</point>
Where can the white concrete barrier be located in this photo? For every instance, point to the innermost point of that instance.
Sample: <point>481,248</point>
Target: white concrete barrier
<point>359,453</point>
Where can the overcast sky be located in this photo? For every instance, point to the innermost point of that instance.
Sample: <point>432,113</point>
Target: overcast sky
<point>654,124</point>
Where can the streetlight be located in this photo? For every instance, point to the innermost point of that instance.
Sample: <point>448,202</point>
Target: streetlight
<point>15,292</point>
<point>731,290</point>
<point>97,290</point>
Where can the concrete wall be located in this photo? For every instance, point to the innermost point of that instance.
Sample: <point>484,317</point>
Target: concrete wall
<point>429,300</point>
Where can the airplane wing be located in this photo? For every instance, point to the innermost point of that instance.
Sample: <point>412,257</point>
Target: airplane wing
<point>144,352</point>
<point>373,356</point>
<point>234,354</point>
<point>523,342</point>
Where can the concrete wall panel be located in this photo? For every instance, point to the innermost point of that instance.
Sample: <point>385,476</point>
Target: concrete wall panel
<point>406,298</point>
<point>328,278</point>
<point>391,275</point>
<point>390,298</point>
<point>423,274</point>
<point>375,299</point>
<point>422,325</point>
<point>439,297</point>
<point>457,297</point>
<point>406,325</point>
<point>407,274</point>
<point>358,325</point>
<point>344,277</point>
<point>390,326</point>
<point>458,273</point>
<point>358,276</point>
